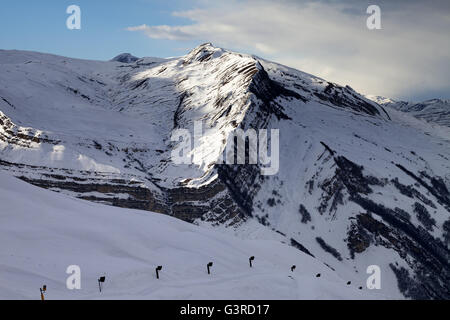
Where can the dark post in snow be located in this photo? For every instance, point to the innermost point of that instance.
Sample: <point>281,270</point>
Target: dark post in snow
<point>293,268</point>
<point>43,289</point>
<point>209,265</point>
<point>250,260</point>
<point>158,268</point>
<point>100,281</point>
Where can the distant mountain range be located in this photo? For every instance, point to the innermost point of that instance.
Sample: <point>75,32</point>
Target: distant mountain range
<point>434,110</point>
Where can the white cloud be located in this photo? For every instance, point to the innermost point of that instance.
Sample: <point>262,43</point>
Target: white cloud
<point>410,56</point>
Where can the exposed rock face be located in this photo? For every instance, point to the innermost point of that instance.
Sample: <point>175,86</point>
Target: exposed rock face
<point>397,232</point>
<point>22,137</point>
<point>306,216</point>
<point>420,250</point>
<point>353,184</point>
<point>211,202</point>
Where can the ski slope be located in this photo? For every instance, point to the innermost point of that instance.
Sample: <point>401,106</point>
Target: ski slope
<point>42,233</point>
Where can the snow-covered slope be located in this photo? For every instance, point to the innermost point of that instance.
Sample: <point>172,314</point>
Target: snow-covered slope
<point>42,233</point>
<point>356,185</point>
<point>434,110</point>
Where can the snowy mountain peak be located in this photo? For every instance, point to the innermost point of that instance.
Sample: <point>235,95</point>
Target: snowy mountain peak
<point>125,58</point>
<point>379,99</point>
<point>204,52</point>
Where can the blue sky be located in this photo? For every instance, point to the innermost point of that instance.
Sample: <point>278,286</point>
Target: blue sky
<point>408,58</point>
<point>41,26</point>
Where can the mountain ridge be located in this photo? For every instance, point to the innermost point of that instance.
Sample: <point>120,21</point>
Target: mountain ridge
<point>353,189</point>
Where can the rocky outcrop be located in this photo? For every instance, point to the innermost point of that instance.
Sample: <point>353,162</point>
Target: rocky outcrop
<point>421,251</point>
<point>23,137</point>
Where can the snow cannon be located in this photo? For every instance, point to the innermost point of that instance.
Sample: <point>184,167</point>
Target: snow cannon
<point>209,265</point>
<point>293,268</point>
<point>250,260</point>
<point>158,268</point>
<point>100,281</point>
<point>43,290</point>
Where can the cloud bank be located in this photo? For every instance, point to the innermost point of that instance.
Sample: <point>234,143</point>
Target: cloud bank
<point>408,58</point>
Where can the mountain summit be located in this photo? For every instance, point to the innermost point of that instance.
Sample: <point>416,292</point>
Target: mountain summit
<point>125,58</point>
